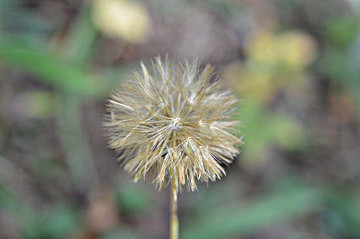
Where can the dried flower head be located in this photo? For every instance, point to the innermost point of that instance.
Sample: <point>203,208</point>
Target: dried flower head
<point>173,123</point>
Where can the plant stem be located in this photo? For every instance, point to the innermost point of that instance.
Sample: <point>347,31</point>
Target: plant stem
<point>174,223</point>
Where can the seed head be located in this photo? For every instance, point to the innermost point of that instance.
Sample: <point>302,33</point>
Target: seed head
<point>173,122</point>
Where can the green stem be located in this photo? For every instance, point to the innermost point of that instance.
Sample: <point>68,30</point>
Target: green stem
<point>174,224</point>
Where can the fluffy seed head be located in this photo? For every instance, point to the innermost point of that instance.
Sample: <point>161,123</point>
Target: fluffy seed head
<point>173,122</point>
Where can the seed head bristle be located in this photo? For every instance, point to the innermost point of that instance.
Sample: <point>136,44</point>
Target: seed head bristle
<point>172,122</point>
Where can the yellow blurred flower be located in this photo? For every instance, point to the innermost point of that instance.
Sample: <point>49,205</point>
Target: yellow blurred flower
<point>128,20</point>
<point>250,84</point>
<point>292,48</point>
<point>273,62</point>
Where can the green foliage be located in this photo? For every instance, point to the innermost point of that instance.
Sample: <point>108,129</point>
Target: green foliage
<point>264,129</point>
<point>120,233</point>
<point>341,32</point>
<point>235,220</point>
<point>132,200</point>
<point>342,216</point>
<point>27,24</point>
<point>45,65</point>
<point>83,36</point>
<point>58,223</point>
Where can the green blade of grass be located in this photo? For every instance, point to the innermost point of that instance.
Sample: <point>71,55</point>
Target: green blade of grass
<point>236,221</point>
<point>82,38</point>
<point>77,49</point>
<point>46,66</point>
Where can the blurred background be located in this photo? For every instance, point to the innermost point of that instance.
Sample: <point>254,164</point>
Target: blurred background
<point>295,64</point>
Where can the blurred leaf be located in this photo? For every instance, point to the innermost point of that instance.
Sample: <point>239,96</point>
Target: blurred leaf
<point>228,191</point>
<point>121,233</point>
<point>60,222</point>
<point>355,62</point>
<point>236,221</point>
<point>81,40</point>
<point>9,202</point>
<point>343,214</point>
<point>132,199</point>
<point>341,32</point>
<point>77,151</point>
<point>339,67</point>
<point>287,132</point>
<point>355,4</point>
<point>29,221</point>
<point>264,129</point>
<point>77,50</point>
<point>46,66</point>
<point>17,19</point>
